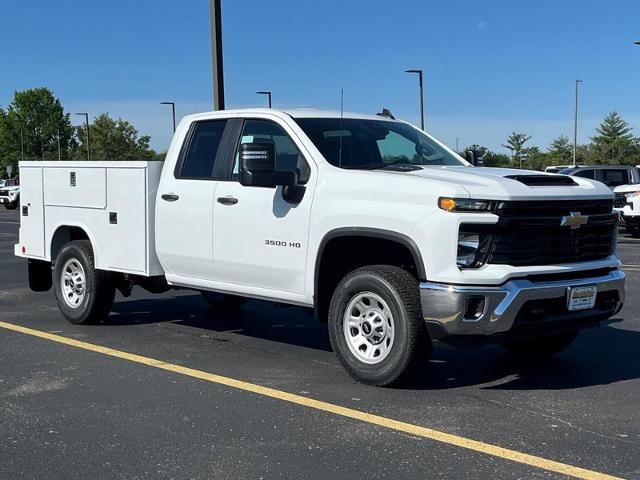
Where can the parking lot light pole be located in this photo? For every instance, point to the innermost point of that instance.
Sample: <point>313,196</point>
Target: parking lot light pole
<point>419,72</point>
<point>86,123</point>
<point>216,54</point>
<point>575,123</point>
<point>268,94</point>
<point>173,112</point>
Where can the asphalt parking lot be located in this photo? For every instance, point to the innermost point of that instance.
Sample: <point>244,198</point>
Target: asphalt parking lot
<point>174,390</point>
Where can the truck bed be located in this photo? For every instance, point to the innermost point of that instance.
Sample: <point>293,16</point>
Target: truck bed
<point>112,202</point>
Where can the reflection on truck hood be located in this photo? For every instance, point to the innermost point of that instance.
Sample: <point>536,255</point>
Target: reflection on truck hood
<point>490,183</point>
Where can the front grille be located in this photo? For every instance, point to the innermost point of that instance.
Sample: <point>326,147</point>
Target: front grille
<point>620,201</point>
<point>553,209</point>
<point>522,238</point>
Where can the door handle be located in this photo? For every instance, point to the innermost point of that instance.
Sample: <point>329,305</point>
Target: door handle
<point>170,197</point>
<point>227,200</point>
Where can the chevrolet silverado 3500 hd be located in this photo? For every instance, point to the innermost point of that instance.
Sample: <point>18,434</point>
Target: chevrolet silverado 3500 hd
<point>390,236</point>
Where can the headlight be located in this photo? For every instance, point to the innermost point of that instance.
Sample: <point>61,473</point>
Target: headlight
<point>472,249</point>
<point>631,195</point>
<point>465,205</point>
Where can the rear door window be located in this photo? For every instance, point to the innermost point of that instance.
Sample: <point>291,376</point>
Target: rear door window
<point>200,156</point>
<point>613,177</point>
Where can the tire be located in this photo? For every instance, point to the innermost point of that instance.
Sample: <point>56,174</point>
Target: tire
<point>89,292</point>
<point>388,337</point>
<point>223,302</point>
<point>634,231</point>
<point>539,348</point>
<point>11,206</point>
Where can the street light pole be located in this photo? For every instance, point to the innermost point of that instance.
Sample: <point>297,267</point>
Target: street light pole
<point>59,151</point>
<point>22,143</point>
<point>268,93</point>
<point>216,54</point>
<point>173,112</point>
<point>575,123</point>
<point>419,72</point>
<point>86,123</point>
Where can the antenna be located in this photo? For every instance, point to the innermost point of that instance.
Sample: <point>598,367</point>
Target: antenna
<point>340,136</point>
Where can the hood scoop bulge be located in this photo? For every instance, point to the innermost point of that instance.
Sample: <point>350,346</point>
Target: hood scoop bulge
<point>544,180</point>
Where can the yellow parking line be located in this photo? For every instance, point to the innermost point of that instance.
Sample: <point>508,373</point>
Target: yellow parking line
<point>424,432</point>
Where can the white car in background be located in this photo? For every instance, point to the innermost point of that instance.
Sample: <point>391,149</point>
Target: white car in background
<point>627,202</point>
<point>10,194</point>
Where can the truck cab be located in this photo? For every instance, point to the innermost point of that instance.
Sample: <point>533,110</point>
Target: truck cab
<point>388,235</point>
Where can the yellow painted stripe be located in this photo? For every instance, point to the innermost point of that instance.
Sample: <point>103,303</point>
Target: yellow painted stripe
<point>424,432</point>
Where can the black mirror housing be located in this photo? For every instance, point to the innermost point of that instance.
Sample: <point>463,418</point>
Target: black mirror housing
<point>258,167</point>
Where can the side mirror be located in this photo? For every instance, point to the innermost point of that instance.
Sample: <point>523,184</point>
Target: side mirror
<point>258,167</point>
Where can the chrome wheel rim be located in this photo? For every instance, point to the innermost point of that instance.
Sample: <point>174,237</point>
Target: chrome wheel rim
<point>368,327</point>
<point>73,283</point>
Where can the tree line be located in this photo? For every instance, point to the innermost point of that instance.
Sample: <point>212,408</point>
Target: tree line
<point>613,143</point>
<point>34,126</point>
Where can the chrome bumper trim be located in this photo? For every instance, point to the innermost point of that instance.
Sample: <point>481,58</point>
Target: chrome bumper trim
<point>445,304</point>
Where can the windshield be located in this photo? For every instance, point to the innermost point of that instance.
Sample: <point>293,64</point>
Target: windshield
<point>370,144</point>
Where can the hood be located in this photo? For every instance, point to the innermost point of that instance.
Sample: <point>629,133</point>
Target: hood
<point>10,189</point>
<point>495,183</point>
<point>627,188</point>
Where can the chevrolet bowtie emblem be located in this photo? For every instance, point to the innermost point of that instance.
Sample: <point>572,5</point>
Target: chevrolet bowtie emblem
<point>574,220</point>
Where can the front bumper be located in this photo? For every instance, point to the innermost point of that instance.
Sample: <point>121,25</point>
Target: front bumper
<point>444,307</point>
<point>630,220</point>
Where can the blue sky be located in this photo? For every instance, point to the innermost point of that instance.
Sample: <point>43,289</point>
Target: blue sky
<point>490,66</point>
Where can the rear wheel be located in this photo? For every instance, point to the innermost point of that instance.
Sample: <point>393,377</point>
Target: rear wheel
<point>222,301</point>
<point>84,294</point>
<point>376,326</point>
<point>539,348</point>
<point>634,231</point>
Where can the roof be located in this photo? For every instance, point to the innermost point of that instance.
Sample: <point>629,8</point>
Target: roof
<point>295,113</point>
<point>317,113</point>
<point>599,166</point>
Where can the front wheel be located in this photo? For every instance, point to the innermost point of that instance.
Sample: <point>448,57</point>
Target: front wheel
<point>539,348</point>
<point>11,205</point>
<point>84,294</point>
<point>376,326</point>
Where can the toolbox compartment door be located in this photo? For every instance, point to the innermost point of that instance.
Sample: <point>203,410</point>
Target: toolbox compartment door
<point>31,212</point>
<point>83,187</point>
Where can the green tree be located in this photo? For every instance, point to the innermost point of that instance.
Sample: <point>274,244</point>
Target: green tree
<point>34,122</point>
<point>560,150</point>
<point>113,140</point>
<point>614,142</point>
<point>515,144</point>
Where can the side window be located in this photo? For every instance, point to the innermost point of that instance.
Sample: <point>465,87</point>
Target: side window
<point>586,174</point>
<point>288,157</point>
<point>200,155</point>
<point>613,178</point>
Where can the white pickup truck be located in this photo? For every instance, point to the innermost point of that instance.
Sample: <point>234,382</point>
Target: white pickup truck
<point>390,236</point>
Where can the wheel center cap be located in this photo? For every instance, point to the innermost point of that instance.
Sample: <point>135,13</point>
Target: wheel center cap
<point>366,328</point>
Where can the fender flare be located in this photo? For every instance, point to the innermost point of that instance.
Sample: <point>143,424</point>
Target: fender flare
<point>367,232</point>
